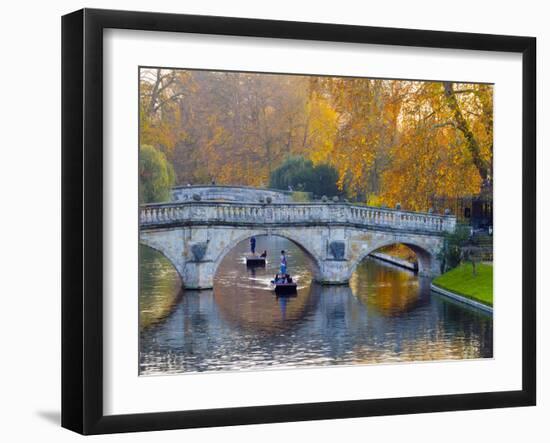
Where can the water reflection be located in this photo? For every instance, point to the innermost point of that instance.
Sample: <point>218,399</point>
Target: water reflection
<point>386,314</point>
<point>160,287</point>
<point>388,289</point>
<point>245,297</point>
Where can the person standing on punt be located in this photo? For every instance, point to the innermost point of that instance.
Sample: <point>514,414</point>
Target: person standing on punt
<point>283,262</point>
<point>253,245</point>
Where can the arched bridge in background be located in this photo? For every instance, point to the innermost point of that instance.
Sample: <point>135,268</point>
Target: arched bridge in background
<point>230,193</point>
<point>195,236</point>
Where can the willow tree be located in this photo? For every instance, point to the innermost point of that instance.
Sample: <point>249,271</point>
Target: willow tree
<point>156,175</point>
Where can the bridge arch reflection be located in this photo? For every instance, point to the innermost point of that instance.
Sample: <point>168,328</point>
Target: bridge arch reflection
<point>258,309</point>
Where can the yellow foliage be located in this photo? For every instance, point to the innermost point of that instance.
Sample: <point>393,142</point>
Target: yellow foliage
<point>391,141</point>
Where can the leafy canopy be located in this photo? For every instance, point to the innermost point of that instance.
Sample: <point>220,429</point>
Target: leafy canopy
<point>418,143</point>
<point>156,175</point>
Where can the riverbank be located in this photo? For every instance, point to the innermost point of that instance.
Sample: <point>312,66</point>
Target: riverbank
<point>463,284</point>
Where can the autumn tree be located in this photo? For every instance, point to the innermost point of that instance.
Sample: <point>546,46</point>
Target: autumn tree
<point>389,141</point>
<point>162,93</point>
<point>366,113</point>
<point>479,104</point>
<point>434,156</point>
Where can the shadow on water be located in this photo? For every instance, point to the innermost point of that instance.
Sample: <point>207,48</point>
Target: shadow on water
<point>386,314</point>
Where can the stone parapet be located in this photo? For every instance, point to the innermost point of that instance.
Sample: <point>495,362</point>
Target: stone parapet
<point>288,214</point>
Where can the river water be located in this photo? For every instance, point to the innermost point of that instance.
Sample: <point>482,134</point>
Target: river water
<point>386,314</point>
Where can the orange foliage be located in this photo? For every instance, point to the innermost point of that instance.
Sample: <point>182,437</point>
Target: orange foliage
<point>391,141</point>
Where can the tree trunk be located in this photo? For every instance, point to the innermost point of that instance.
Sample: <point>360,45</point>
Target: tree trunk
<point>462,125</point>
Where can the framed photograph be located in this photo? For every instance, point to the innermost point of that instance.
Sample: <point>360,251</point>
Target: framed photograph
<point>269,221</point>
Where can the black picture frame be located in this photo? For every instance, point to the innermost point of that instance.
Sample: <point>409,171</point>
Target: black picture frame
<point>82,220</point>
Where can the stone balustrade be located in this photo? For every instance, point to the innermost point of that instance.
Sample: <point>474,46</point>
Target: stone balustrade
<point>288,214</point>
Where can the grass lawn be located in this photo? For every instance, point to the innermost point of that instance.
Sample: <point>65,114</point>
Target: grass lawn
<point>461,280</point>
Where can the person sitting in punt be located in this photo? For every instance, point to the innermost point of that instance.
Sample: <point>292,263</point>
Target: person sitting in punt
<point>264,254</point>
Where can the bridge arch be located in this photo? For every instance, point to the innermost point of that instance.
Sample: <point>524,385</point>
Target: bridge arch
<point>308,251</point>
<point>162,252</point>
<point>426,258</point>
<point>172,254</point>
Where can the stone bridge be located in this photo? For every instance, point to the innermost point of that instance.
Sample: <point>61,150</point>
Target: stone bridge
<point>230,193</point>
<point>195,236</point>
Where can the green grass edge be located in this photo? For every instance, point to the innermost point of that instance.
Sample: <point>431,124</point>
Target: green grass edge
<point>488,277</point>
